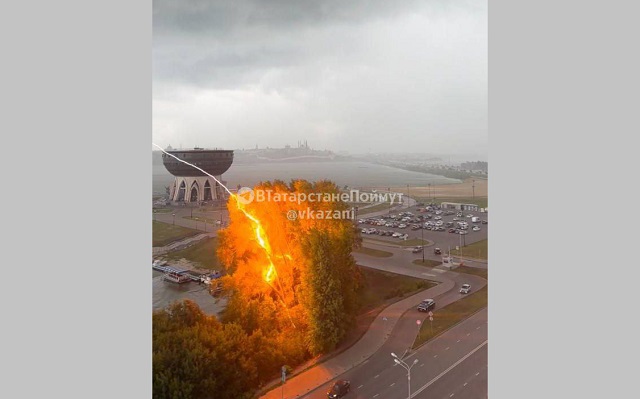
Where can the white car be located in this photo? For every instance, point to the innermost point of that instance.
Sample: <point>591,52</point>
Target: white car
<point>476,228</point>
<point>465,289</point>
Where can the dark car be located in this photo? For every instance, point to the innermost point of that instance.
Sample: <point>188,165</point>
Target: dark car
<point>339,389</point>
<point>426,305</point>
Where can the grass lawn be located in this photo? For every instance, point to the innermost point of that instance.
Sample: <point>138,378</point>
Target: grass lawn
<point>166,233</point>
<point>451,314</point>
<point>427,262</point>
<point>373,252</point>
<point>394,241</point>
<point>203,253</point>
<point>381,287</point>
<point>472,270</point>
<point>478,250</point>
<point>162,210</point>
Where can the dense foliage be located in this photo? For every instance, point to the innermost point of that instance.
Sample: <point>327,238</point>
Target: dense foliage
<point>303,307</point>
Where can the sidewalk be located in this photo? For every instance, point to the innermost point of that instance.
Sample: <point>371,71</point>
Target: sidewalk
<point>179,244</point>
<point>369,344</point>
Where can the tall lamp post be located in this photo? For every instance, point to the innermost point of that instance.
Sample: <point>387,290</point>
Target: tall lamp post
<point>406,367</point>
<point>174,219</point>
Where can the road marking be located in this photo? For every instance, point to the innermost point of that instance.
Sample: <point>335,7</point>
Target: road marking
<point>451,395</point>
<point>477,374</point>
<point>457,341</point>
<point>428,274</point>
<point>360,386</point>
<point>392,384</point>
<point>434,356</point>
<point>477,328</point>
<point>447,348</point>
<point>421,364</point>
<point>468,334</point>
<point>376,395</point>
<point>416,393</point>
<point>464,385</point>
<point>377,376</point>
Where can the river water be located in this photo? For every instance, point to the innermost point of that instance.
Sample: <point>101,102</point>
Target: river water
<point>353,174</point>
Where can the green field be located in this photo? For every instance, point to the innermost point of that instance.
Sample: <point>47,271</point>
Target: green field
<point>383,286</point>
<point>478,250</point>
<point>203,254</point>
<point>373,252</point>
<point>166,233</point>
<point>450,315</point>
<point>473,270</point>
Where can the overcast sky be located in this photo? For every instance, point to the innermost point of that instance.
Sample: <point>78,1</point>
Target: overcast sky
<point>356,76</point>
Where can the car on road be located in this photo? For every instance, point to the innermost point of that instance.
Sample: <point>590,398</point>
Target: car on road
<point>417,250</point>
<point>339,389</point>
<point>437,251</point>
<point>426,305</point>
<point>465,289</point>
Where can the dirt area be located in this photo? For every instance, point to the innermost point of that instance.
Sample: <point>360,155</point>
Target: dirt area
<point>464,189</point>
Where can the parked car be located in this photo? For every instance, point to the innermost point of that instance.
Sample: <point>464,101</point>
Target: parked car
<point>484,222</point>
<point>426,305</point>
<point>476,228</point>
<point>465,289</point>
<point>339,389</point>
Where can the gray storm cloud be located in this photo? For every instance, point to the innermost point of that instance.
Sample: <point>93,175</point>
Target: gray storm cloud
<point>356,76</point>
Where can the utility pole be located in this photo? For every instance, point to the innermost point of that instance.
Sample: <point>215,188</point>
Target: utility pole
<point>473,188</point>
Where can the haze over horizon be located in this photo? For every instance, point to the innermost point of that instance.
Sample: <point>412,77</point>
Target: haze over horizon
<point>356,77</point>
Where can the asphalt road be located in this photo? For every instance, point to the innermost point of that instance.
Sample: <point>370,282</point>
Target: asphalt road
<point>443,368</point>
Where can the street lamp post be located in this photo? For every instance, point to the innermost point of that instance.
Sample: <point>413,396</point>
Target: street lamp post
<point>406,367</point>
<point>174,219</point>
<point>196,223</point>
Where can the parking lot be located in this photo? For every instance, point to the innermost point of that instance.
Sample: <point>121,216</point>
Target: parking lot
<point>446,228</point>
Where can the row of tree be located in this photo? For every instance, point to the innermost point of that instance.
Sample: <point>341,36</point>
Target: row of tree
<point>304,309</point>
